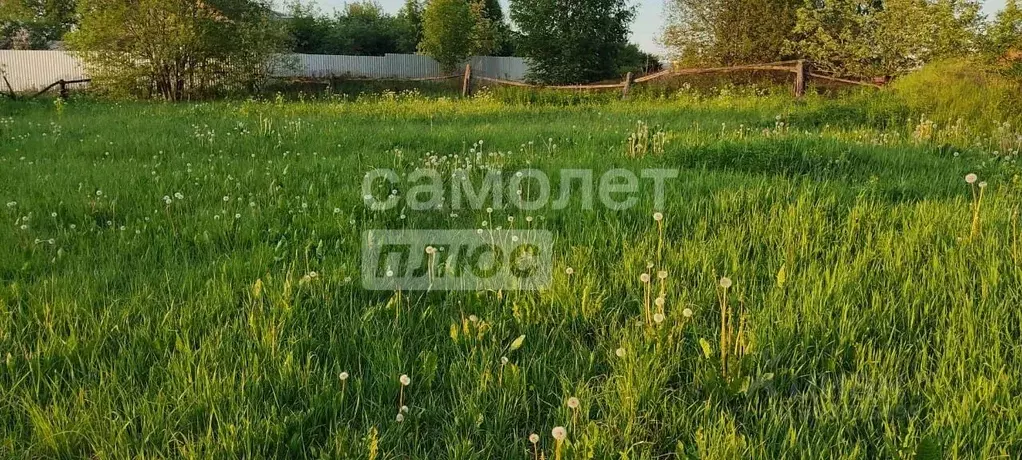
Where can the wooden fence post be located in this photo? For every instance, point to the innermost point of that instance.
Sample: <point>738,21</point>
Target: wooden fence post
<point>466,84</point>
<point>9,88</point>
<point>63,89</point>
<point>627,87</point>
<point>800,78</point>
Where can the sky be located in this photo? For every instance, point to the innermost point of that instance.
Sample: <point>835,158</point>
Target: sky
<point>647,23</point>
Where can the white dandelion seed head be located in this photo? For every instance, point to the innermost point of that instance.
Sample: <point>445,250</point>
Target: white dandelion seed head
<point>405,380</point>
<point>559,433</point>
<point>569,271</point>
<point>662,274</point>
<point>658,318</point>
<point>504,360</point>
<point>982,185</point>
<point>473,318</point>
<point>725,282</point>
<point>971,178</point>
<point>620,352</point>
<point>660,301</point>
<point>687,312</point>
<point>658,216</point>
<point>644,277</point>
<point>400,417</point>
<point>404,409</point>
<point>573,402</point>
<point>534,438</point>
<point>344,376</point>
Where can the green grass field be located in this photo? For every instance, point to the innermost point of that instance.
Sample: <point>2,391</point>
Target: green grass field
<point>183,280</point>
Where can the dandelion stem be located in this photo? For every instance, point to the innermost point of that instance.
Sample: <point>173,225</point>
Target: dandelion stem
<point>724,340</point>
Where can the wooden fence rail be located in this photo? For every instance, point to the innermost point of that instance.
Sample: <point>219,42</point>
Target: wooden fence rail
<point>800,69</point>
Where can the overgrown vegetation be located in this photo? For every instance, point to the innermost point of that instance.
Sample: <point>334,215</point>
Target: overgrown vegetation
<point>572,42</point>
<point>34,24</point>
<point>175,49</point>
<point>449,32</point>
<point>183,280</point>
<point>842,37</point>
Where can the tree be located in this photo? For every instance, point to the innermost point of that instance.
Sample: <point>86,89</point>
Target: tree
<point>363,29</point>
<point>175,49</point>
<point>448,32</point>
<point>308,29</point>
<point>410,21</point>
<point>572,41</point>
<point>33,24</point>
<point>1003,41</point>
<point>728,32</point>
<point>884,37</point>
<point>501,37</point>
<point>632,59</point>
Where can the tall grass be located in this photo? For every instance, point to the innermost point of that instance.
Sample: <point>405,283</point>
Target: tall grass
<point>183,281</point>
<point>953,90</point>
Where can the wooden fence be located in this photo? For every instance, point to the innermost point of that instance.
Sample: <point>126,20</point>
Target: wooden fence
<point>799,68</point>
<point>502,71</point>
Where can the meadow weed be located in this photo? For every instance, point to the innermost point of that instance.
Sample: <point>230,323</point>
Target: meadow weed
<point>185,279</point>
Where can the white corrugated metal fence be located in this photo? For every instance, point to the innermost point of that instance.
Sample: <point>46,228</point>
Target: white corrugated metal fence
<point>29,70</point>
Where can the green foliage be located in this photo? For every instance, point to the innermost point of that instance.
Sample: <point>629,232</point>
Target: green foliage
<point>728,32</point>
<point>175,49</point>
<point>361,28</point>
<point>960,89</point>
<point>1003,40</point>
<point>32,24</point>
<point>491,16</point>
<point>632,59</point>
<point>571,41</point>
<point>410,21</point>
<point>308,30</point>
<point>883,38</point>
<point>449,32</point>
